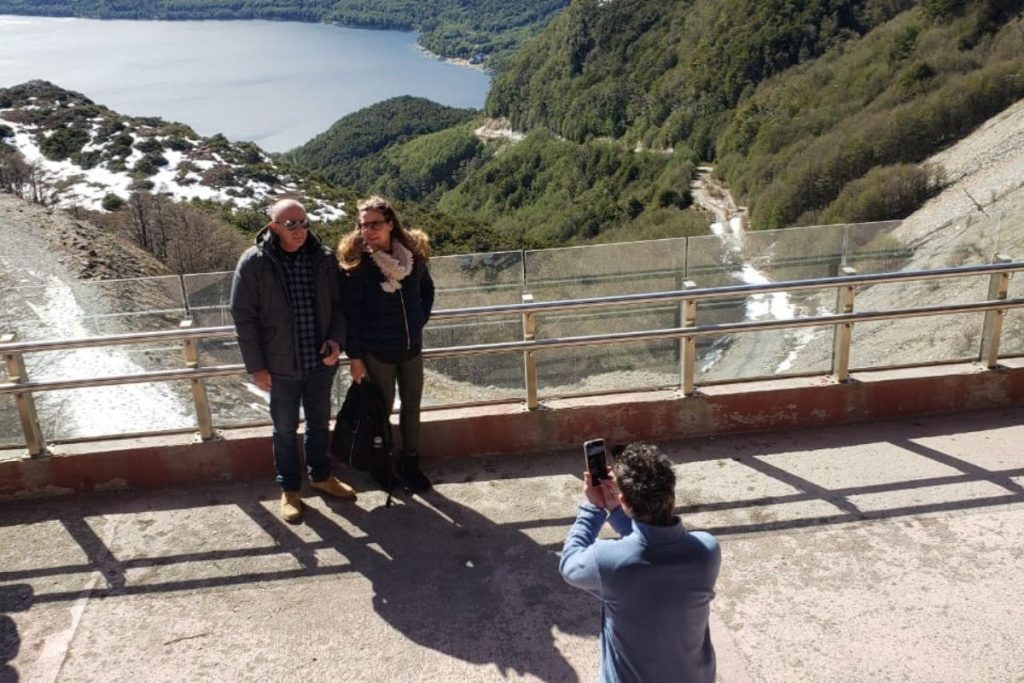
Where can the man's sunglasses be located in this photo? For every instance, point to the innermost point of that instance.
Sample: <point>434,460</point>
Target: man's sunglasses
<point>291,225</point>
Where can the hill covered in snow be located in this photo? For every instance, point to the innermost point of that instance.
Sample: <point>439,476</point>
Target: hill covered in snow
<point>59,147</point>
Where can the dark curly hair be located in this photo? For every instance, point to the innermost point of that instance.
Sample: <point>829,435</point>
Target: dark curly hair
<point>647,482</point>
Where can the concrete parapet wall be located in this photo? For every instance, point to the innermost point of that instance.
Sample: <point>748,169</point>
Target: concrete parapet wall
<point>769,405</point>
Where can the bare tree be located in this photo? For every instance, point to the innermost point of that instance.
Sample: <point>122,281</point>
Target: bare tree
<point>13,171</point>
<point>139,226</point>
<point>38,187</point>
<point>183,237</point>
<point>201,243</point>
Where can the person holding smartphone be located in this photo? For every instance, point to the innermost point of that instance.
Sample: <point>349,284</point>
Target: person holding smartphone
<point>389,295</point>
<point>655,583</point>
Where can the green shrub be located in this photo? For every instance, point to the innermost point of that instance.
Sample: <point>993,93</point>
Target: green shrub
<point>884,193</point>
<point>149,146</point>
<point>112,202</point>
<point>178,144</point>
<point>63,142</point>
<point>88,159</point>
<point>149,164</point>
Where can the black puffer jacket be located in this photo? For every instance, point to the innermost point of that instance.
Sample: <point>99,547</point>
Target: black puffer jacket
<point>261,305</point>
<point>388,323</point>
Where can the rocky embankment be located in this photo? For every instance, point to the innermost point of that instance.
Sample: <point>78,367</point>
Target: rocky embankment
<point>979,213</point>
<point>36,238</point>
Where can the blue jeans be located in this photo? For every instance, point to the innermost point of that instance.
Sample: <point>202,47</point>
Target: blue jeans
<point>313,393</point>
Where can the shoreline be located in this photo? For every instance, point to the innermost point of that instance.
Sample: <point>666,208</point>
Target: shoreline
<point>457,61</point>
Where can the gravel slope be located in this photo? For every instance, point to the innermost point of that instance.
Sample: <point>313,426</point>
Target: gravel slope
<point>979,214</point>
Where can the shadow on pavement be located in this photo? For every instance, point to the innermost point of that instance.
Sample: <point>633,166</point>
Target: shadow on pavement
<point>451,580</point>
<point>13,598</point>
<point>443,575</point>
<point>905,436</point>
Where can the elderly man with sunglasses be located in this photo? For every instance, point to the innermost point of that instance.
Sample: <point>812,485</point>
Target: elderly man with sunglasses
<point>286,304</point>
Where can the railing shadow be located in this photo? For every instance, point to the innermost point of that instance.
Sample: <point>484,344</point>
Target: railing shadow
<point>903,437</point>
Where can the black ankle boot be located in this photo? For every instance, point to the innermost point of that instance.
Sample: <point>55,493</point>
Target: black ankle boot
<point>409,474</point>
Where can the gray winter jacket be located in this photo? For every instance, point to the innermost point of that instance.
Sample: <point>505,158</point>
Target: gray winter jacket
<point>261,305</point>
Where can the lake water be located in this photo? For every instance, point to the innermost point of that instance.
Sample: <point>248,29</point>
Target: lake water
<point>275,83</point>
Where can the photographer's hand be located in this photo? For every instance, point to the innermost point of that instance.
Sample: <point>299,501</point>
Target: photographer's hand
<point>610,489</point>
<point>605,495</point>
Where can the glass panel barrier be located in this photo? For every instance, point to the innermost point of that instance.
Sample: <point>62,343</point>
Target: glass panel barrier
<point>10,426</point>
<point>1011,341</point>
<point>84,309</point>
<point>472,280</point>
<point>107,411</point>
<point>235,402</point>
<point>760,258</point>
<point>879,344</point>
<point>636,365</point>
<point>620,367</point>
<point>468,281</point>
<point>606,269</point>
<point>207,296</point>
<point>80,309</point>
<point>477,378</point>
<point>803,253</point>
<point>876,247</point>
<point>776,353</point>
<point>927,339</point>
<point>473,379</point>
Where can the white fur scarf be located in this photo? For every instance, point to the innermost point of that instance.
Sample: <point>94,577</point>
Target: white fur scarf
<point>395,265</point>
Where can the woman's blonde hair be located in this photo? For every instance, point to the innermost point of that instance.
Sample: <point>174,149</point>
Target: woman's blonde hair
<point>352,245</point>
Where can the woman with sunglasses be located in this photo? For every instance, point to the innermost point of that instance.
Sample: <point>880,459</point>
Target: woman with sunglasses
<point>388,297</point>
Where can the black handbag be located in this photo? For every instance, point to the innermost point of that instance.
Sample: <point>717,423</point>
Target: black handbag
<point>362,434</point>
<point>362,430</point>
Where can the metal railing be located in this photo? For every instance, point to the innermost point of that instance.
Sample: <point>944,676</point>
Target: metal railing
<point>689,299</point>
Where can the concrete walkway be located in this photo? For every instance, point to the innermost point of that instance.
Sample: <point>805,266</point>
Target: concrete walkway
<point>884,552</point>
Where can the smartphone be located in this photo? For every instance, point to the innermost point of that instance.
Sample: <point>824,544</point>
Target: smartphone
<point>594,454</point>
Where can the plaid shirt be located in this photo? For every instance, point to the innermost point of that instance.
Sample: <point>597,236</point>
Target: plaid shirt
<point>298,274</point>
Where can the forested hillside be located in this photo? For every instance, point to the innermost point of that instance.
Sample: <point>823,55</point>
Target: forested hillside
<point>465,29</point>
<point>339,152</point>
<point>812,109</point>
<point>539,192</point>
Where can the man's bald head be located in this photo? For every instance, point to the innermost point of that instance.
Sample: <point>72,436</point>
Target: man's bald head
<point>288,220</point>
<point>283,206</point>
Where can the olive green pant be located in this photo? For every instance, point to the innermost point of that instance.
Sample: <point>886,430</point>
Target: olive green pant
<point>409,376</point>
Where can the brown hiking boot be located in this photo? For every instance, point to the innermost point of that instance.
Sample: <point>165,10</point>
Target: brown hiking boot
<point>291,506</point>
<point>333,486</point>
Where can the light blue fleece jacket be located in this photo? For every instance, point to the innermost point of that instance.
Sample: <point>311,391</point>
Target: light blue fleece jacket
<point>655,585</point>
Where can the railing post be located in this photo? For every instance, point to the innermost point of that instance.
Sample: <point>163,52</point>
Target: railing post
<point>24,402</point>
<point>688,344</point>
<point>992,330</point>
<point>530,356</point>
<point>843,332</point>
<point>202,401</point>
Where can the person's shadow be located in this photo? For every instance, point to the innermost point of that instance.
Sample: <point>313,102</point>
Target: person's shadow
<point>13,598</point>
<point>452,580</point>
